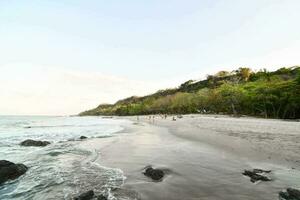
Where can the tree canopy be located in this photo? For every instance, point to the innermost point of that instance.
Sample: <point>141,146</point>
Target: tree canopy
<point>241,92</point>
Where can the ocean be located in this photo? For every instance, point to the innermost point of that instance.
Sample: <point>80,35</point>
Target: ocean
<point>62,169</point>
<point>203,157</point>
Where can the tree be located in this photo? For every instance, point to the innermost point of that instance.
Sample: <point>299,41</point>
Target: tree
<point>271,94</point>
<point>222,74</point>
<point>244,73</point>
<point>186,84</point>
<point>233,96</point>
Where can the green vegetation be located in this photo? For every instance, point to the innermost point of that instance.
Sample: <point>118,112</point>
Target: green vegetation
<point>241,92</point>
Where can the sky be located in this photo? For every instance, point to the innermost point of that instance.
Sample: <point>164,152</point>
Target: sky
<point>61,57</point>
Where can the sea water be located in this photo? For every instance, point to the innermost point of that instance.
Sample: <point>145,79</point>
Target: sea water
<point>62,169</point>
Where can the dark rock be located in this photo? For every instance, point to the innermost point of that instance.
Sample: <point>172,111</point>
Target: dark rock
<point>10,171</point>
<point>256,176</point>
<point>85,196</point>
<point>34,143</point>
<point>101,197</point>
<point>27,127</point>
<point>155,174</point>
<point>290,194</point>
<point>83,137</point>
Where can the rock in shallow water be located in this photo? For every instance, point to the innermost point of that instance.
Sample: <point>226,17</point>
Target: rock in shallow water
<point>101,197</point>
<point>155,174</point>
<point>290,194</point>
<point>256,176</point>
<point>34,143</point>
<point>86,195</point>
<point>10,171</point>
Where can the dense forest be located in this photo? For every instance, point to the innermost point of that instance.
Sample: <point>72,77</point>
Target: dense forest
<point>240,92</point>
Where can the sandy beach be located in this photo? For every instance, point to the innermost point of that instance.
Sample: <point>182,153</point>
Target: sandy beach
<point>203,157</point>
<point>150,100</point>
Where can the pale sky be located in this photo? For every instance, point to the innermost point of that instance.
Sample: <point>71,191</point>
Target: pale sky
<point>62,57</point>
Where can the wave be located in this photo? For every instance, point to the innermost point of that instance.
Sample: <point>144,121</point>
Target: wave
<point>63,169</point>
<point>61,126</point>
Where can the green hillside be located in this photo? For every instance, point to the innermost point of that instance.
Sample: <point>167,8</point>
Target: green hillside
<point>241,92</point>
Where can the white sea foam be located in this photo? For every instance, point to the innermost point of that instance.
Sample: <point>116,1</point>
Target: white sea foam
<point>62,169</point>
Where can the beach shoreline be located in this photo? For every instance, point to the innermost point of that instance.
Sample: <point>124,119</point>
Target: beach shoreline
<point>200,161</point>
<point>201,156</point>
<point>257,139</point>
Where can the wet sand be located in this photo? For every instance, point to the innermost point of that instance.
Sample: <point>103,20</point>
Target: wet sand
<point>204,157</point>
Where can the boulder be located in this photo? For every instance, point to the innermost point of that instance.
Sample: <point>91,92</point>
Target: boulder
<point>101,197</point>
<point>34,143</point>
<point>155,174</point>
<point>290,194</point>
<point>256,175</point>
<point>86,195</point>
<point>10,171</point>
<point>83,137</point>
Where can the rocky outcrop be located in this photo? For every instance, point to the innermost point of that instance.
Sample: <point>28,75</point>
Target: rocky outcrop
<point>10,171</point>
<point>83,137</point>
<point>257,175</point>
<point>101,197</point>
<point>155,174</point>
<point>290,194</point>
<point>34,143</point>
<point>90,195</point>
<point>86,195</point>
